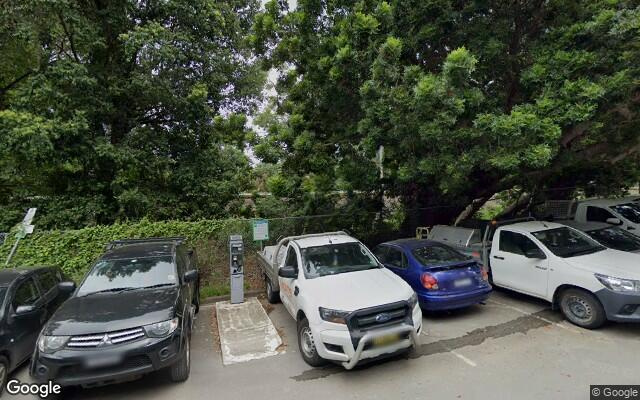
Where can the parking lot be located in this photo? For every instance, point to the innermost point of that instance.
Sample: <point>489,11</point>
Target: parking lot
<point>511,346</point>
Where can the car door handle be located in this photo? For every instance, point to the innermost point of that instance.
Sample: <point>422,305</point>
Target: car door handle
<point>296,290</point>
<point>542,268</point>
<point>499,257</point>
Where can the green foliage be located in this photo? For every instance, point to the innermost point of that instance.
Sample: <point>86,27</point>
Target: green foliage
<point>75,250</point>
<point>467,98</point>
<point>118,110</point>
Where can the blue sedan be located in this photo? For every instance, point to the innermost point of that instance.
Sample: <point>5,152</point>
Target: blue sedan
<point>443,278</point>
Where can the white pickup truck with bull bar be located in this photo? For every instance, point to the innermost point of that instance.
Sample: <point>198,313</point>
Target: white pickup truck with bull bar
<point>348,307</point>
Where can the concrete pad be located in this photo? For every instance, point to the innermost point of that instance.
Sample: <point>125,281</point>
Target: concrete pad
<point>246,332</point>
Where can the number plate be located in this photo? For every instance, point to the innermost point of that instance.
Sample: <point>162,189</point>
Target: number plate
<point>462,282</point>
<point>385,340</point>
<point>102,361</point>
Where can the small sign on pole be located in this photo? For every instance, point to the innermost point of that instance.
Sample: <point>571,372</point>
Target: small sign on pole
<point>25,228</point>
<point>260,229</point>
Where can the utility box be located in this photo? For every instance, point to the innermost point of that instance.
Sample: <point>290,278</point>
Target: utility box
<point>236,268</point>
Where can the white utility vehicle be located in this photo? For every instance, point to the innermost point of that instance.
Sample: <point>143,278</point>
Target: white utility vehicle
<point>587,281</point>
<point>348,307</point>
<point>623,212</point>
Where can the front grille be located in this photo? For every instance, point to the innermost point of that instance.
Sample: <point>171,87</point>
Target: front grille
<point>367,319</point>
<point>105,339</point>
<point>129,364</point>
<point>390,317</point>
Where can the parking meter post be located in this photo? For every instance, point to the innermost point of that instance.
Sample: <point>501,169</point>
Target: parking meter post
<point>236,268</point>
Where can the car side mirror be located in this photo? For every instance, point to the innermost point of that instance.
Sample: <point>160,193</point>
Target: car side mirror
<point>288,271</point>
<point>190,276</point>
<point>67,287</point>
<point>535,253</point>
<point>614,221</point>
<point>24,310</point>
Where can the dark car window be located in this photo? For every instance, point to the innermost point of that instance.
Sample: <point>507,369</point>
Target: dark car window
<point>292,258</point>
<point>336,258</point>
<point>381,253</point>
<point>598,214</point>
<point>129,273</point>
<point>616,238</point>
<point>516,243</point>
<point>26,294</point>
<point>182,261</point>
<point>48,280</point>
<point>396,258</point>
<point>3,292</point>
<point>566,242</point>
<point>630,211</point>
<point>430,255</point>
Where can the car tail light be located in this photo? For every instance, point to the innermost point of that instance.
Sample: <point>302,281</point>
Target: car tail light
<point>429,281</point>
<point>475,254</point>
<point>485,273</point>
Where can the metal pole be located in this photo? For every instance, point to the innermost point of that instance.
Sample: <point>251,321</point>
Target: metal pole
<point>12,252</point>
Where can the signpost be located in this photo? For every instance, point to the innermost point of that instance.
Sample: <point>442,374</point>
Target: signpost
<point>24,229</point>
<point>260,230</point>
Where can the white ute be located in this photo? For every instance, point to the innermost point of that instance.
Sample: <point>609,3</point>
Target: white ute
<point>587,281</point>
<point>347,306</point>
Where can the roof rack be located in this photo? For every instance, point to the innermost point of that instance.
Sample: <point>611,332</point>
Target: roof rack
<point>123,242</point>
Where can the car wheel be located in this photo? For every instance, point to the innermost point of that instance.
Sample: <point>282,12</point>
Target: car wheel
<point>4,372</point>
<point>272,296</point>
<point>307,345</point>
<point>180,370</point>
<point>582,308</point>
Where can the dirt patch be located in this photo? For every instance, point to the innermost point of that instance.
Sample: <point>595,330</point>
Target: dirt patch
<point>283,347</point>
<point>268,307</point>
<point>215,333</point>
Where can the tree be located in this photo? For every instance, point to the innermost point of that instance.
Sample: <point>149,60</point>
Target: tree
<point>467,99</point>
<point>123,109</point>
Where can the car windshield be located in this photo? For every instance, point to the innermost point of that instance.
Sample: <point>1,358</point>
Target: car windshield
<point>3,291</point>
<point>430,255</point>
<point>567,242</point>
<point>129,274</point>
<point>336,259</point>
<point>616,238</point>
<point>630,211</point>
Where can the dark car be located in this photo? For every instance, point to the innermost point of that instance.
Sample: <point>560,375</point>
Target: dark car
<point>28,298</point>
<point>442,277</point>
<point>131,315</point>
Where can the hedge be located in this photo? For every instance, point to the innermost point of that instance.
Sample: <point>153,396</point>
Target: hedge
<point>75,250</point>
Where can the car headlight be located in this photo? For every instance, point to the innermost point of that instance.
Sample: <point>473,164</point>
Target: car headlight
<point>618,284</point>
<point>162,329</point>
<point>335,316</point>
<point>413,300</point>
<point>51,344</point>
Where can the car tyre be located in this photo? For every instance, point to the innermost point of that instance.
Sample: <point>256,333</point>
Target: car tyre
<point>582,308</point>
<point>307,346</point>
<point>272,296</point>
<point>181,369</point>
<point>4,373</point>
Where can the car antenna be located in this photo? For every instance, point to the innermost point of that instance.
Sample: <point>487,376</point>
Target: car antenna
<point>543,224</point>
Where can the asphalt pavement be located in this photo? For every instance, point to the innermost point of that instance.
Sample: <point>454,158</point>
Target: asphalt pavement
<point>512,347</point>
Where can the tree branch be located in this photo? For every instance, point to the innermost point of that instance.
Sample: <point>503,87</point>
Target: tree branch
<point>70,37</point>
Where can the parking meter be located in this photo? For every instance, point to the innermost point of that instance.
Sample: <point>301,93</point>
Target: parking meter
<point>236,268</point>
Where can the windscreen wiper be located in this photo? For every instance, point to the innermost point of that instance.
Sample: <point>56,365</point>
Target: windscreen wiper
<point>158,285</point>
<point>120,289</point>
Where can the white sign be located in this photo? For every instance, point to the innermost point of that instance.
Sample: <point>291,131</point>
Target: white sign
<point>29,217</point>
<point>260,229</point>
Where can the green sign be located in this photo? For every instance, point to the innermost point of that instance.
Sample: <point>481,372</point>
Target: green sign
<point>260,229</point>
